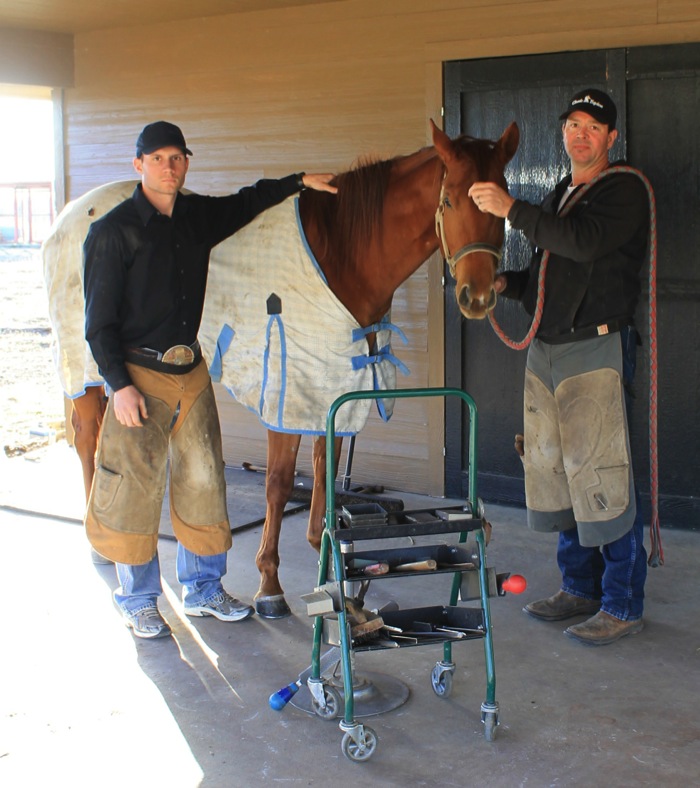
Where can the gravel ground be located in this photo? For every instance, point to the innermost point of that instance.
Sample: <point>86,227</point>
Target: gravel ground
<point>31,399</point>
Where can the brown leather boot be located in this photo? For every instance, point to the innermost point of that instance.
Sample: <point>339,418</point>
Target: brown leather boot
<point>560,606</point>
<point>603,629</point>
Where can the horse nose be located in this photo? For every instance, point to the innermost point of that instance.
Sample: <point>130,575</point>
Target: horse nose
<point>476,307</point>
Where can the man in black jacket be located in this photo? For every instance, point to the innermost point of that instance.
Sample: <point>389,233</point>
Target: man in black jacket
<point>578,469</point>
<point>146,265</point>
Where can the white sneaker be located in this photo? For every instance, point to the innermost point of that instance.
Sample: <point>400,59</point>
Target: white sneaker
<point>223,606</point>
<point>147,623</point>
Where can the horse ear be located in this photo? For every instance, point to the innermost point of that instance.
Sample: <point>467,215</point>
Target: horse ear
<point>509,141</point>
<point>442,143</point>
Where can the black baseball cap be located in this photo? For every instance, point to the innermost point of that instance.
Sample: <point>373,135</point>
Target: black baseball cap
<point>160,134</point>
<point>595,103</point>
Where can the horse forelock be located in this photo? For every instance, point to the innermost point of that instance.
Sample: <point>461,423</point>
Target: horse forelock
<point>481,152</point>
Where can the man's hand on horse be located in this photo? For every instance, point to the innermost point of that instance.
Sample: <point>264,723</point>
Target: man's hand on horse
<point>320,181</point>
<point>491,198</point>
<point>130,406</point>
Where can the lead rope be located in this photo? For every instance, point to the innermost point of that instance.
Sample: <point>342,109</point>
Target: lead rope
<point>656,555</point>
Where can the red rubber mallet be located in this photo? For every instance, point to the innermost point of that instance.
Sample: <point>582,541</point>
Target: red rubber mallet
<point>515,584</point>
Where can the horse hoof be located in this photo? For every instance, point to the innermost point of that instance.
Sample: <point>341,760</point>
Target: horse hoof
<point>272,607</point>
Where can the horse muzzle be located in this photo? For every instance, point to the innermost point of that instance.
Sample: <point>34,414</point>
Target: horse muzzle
<point>477,307</point>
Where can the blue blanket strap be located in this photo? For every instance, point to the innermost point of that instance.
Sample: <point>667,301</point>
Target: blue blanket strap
<point>384,354</point>
<point>274,320</point>
<point>222,345</point>
<point>383,325</point>
<point>385,407</point>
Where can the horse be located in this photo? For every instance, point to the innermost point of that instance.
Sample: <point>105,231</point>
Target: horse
<point>388,218</point>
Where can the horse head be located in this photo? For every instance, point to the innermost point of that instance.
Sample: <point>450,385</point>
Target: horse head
<point>471,241</point>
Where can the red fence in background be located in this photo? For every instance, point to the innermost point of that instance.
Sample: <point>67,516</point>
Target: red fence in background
<point>26,212</point>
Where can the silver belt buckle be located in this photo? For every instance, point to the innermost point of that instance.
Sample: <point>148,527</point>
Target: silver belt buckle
<point>179,355</point>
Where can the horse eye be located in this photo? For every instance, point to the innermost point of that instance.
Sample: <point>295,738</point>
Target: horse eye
<point>447,202</point>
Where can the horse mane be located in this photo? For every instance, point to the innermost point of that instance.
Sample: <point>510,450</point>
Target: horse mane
<point>347,221</point>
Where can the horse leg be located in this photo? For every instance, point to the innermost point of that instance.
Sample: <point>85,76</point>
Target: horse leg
<point>318,495</point>
<point>282,450</point>
<point>86,418</point>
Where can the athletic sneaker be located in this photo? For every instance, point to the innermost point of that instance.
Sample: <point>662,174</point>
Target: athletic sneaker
<point>147,623</point>
<point>223,606</point>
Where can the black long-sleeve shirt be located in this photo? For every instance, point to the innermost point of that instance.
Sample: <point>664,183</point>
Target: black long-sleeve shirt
<point>146,273</point>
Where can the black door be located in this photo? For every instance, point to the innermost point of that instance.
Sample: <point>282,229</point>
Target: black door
<point>656,90</point>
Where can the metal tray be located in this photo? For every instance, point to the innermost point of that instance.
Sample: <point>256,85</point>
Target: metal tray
<point>364,514</point>
<point>419,627</point>
<point>447,558</point>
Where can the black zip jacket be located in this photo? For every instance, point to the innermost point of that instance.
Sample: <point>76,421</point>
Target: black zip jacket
<point>596,256</point>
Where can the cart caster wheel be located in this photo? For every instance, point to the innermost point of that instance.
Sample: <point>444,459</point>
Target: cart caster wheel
<point>332,708</point>
<point>490,720</point>
<point>356,752</point>
<point>441,681</point>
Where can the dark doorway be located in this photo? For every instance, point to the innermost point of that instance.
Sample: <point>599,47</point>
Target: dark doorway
<point>657,91</point>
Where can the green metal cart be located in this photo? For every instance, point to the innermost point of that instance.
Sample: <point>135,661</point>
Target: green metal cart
<point>338,568</point>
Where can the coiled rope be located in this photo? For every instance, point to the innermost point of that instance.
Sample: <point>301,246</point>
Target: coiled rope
<point>656,553</point>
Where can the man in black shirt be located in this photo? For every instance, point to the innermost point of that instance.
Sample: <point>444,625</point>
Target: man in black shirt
<point>146,265</point>
<point>578,467</point>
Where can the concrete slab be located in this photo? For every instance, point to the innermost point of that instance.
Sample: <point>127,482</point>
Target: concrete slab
<point>84,703</point>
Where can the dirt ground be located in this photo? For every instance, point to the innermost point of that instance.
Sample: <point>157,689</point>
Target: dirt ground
<point>31,399</point>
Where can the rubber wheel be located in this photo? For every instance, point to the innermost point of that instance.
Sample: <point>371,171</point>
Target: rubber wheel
<point>490,725</point>
<point>441,682</point>
<point>332,707</point>
<point>354,752</point>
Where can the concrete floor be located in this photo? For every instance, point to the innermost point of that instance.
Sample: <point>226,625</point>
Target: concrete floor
<point>83,703</point>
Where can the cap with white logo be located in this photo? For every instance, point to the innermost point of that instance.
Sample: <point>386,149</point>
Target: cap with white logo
<point>595,103</point>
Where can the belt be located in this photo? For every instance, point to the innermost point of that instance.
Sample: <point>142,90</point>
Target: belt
<point>587,332</point>
<point>176,356</point>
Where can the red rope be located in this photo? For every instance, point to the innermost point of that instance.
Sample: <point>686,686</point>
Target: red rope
<point>656,555</point>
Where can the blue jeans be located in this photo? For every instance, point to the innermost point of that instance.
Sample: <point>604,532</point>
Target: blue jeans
<point>140,584</point>
<point>614,573</point>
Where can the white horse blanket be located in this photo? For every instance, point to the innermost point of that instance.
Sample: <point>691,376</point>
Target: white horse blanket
<point>62,254</point>
<point>272,331</point>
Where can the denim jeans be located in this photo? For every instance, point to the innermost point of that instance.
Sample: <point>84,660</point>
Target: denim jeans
<point>614,573</point>
<point>140,584</point>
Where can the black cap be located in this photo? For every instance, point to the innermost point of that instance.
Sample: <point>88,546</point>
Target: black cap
<point>595,103</point>
<point>160,134</point>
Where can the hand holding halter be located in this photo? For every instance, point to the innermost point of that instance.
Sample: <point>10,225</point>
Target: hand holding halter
<point>453,259</point>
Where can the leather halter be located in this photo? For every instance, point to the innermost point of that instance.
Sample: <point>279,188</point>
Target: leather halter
<point>471,248</point>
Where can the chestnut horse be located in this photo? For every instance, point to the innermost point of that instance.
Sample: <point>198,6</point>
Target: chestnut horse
<point>387,219</point>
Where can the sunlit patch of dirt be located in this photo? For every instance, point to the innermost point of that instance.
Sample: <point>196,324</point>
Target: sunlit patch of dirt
<point>31,400</point>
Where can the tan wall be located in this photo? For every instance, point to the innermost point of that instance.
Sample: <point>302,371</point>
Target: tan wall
<point>313,87</point>
<point>31,57</point>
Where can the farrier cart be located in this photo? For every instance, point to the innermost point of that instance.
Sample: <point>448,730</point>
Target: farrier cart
<point>351,549</point>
